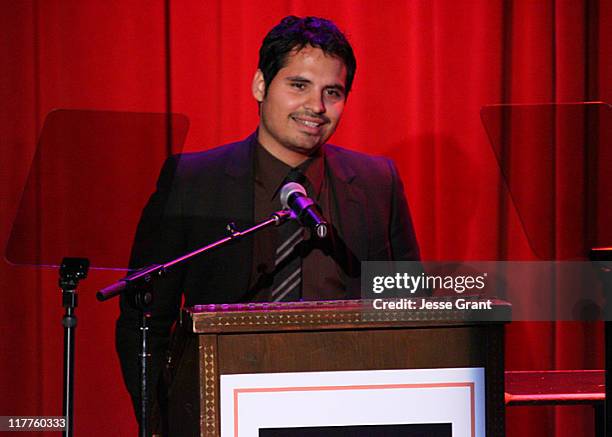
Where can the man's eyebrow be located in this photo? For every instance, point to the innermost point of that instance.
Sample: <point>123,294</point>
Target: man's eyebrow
<point>297,79</point>
<point>301,79</point>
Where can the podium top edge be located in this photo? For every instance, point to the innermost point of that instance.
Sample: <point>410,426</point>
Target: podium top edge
<point>325,305</point>
<point>345,314</point>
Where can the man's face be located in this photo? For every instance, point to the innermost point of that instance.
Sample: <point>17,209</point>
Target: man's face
<point>302,106</point>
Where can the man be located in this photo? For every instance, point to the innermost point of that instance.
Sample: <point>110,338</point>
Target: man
<point>305,72</point>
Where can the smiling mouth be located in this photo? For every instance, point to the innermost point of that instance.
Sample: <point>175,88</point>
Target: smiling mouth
<point>308,123</point>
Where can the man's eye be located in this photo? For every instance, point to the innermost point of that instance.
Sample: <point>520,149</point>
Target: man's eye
<point>334,93</point>
<point>298,85</point>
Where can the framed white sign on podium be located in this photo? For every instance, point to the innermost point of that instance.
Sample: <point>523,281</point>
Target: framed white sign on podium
<point>411,402</point>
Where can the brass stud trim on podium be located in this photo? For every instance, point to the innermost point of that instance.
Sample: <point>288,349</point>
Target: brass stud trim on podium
<point>208,380</point>
<point>212,318</point>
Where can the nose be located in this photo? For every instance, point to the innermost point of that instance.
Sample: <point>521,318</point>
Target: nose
<point>315,102</point>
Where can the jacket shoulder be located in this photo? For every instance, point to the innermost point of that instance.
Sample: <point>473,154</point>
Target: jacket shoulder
<point>372,167</point>
<point>215,155</point>
<point>212,161</point>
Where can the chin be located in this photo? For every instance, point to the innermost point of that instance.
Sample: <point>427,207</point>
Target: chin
<point>306,149</point>
<point>311,145</point>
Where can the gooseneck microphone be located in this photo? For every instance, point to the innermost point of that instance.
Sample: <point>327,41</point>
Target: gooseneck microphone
<point>293,196</point>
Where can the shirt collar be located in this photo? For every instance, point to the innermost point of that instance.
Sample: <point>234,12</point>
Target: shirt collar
<point>270,172</point>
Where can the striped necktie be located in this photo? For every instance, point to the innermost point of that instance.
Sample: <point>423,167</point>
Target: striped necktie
<point>287,283</point>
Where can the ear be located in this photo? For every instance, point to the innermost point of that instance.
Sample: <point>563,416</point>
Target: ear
<point>259,86</point>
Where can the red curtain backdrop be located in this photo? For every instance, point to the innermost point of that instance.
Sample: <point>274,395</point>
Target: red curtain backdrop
<point>425,68</point>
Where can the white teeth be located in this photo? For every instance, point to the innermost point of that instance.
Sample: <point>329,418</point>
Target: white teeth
<point>307,123</point>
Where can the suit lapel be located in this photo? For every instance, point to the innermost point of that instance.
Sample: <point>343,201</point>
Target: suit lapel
<point>351,203</point>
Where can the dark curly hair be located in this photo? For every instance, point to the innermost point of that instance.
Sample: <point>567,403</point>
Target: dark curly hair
<point>296,33</point>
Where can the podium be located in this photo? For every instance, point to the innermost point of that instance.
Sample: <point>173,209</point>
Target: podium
<point>318,341</point>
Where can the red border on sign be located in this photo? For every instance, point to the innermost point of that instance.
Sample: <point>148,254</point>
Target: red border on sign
<point>470,385</point>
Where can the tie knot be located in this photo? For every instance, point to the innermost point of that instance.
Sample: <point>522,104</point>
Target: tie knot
<point>295,175</point>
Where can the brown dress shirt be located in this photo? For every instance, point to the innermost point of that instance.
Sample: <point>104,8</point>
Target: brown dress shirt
<point>321,278</point>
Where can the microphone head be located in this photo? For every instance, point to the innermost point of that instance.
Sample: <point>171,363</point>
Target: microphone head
<point>288,190</point>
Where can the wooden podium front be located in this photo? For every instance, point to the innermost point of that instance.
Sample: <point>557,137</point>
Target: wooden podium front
<point>268,338</point>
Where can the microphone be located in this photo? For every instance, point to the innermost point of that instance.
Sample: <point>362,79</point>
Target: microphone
<point>293,196</point>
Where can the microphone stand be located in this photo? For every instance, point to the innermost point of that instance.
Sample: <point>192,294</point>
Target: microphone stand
<point>71,272</point>
<point>141,281</point>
